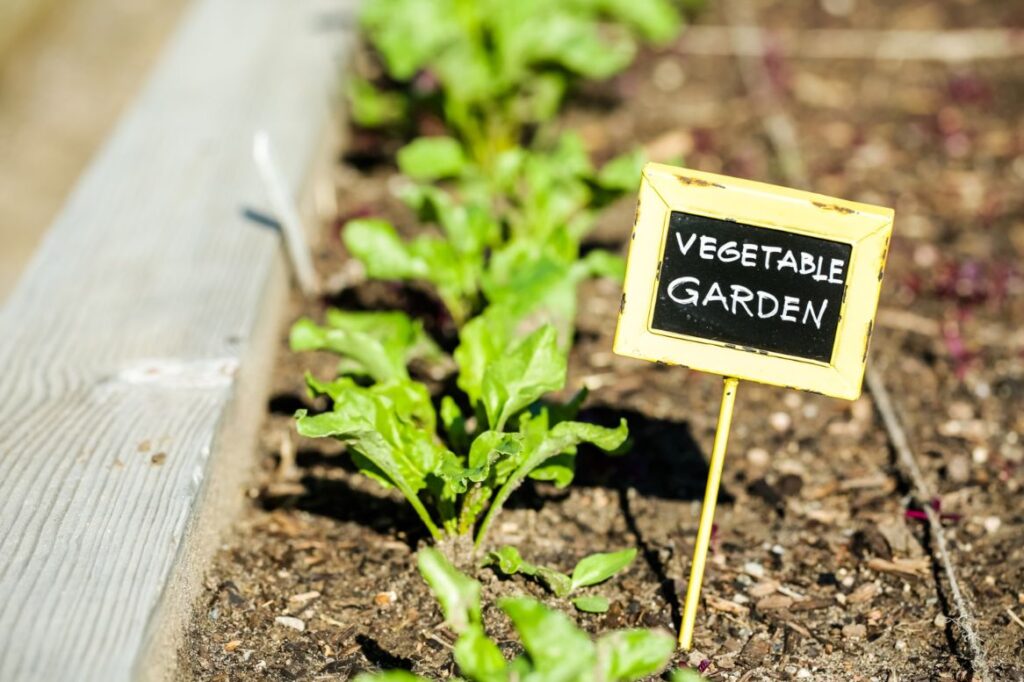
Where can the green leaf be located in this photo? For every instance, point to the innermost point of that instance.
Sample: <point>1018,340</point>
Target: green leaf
<point>541,448</point>
<point>541,97</point>
<point>378,344</point>
<point>600,263</point>
<point>558,470</point>
<point>655,20</point>
<point>629,655</point>
<point>372,423</point>
<point>623,172</point>
<point>468,225</point>
<point>369,355</point>
<point>557,648</point>
<point>478,657</point>
<point>527,370</point>
<point>409,33</point>
<point>390,676</point>
<point>458,595</point>
<point>556,581</point>
<point>591,604</point>
<point>686,675</point>
<point>597,568</point>
<point>408,399</point>
<point>377,245</point>
<point>432,158</point>
<point>579,46</point>
<point>481,343</point>
<point>498,451</point>
<point>373,108</point>
<point>508,560</point>
<point>454,424</point>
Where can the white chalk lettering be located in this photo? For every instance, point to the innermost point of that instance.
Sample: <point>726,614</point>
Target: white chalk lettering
<point>809,312</point>
<point>788,260</point>
<point>707,247</point>
<point>835,271</point>
<point>687,291</point>
<point>692,295</point>
<point>768,251</point>
<point>689,242</point>
<point>728,253</point>
<point>763,296</point>
<point>790,304</point>
<point>749,259</point>
<point>740,296</point>
<point>806,263</point>
<point>715,294</point>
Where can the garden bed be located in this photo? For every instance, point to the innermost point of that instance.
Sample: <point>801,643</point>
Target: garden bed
<point>816,564</point>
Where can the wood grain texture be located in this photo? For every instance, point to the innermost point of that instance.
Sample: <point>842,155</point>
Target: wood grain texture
<point>122,344</point>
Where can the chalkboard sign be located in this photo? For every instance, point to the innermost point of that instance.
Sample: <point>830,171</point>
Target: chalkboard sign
<point>751,286</point>
<point>752,281</point>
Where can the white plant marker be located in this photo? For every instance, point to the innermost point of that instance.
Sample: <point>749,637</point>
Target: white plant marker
<point>287,214</point>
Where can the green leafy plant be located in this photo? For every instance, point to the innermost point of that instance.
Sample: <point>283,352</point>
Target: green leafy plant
<point>493,68</point>
<point>453,469</point>
<point>379,345</point>
<point>510,237</point>
<point>554,647</point>
<point>591,570</point>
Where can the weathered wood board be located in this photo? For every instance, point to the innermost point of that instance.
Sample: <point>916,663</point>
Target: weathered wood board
<point>131,348</point>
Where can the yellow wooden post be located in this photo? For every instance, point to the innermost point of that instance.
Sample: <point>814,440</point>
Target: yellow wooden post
<point>707,513</point>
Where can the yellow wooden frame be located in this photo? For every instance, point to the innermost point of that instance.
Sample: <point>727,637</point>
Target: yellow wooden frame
<point>866,228</point>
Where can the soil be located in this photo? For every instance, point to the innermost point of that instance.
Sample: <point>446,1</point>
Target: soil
<point>820,567</point>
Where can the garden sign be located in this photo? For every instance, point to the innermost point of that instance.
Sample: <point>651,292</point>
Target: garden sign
<point>749,281</point>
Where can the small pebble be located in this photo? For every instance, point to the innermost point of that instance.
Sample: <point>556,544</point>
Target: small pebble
<point>803,674</point>
<point>862,410</point>
<point>958,470</point>
<point>854,631</point>
<point>385,598</point>
<point>754,569</point>
<point>232,645</point>
<point>992,524</point>
<point>979,455</point>
<point>303,597</point>
<point>758,457</point>
<point>290,622</point>
<point>940,621</point>
<point>668,74</point>
<point>780,421</point>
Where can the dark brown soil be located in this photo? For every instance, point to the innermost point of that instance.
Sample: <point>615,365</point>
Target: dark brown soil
<point>812,517</point>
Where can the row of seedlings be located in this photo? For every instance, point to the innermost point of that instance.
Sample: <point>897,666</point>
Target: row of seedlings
<point>505,201</point>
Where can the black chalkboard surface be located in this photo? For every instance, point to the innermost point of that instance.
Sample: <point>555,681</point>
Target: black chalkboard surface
<point>751,286</point>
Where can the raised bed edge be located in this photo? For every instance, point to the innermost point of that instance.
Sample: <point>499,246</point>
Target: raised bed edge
<point>136,345</point>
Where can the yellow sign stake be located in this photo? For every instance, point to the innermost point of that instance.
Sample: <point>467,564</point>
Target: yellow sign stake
<point>707,513</point>
<point>785,258</point>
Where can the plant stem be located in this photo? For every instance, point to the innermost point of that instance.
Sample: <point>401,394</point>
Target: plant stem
<point>499,501</point>
<point>421,511</point>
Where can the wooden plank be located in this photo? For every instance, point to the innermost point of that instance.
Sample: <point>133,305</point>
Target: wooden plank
<point>127,349</point>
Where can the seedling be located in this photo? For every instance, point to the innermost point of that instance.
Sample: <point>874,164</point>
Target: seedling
<point>509,237</point>
<point>469,468</point>
<point>554,648</point>
<point>491,69</point>
<point>378,345</point>
<point>591,570</point>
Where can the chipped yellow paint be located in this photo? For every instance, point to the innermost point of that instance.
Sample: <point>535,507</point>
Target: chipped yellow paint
<point>865,227</point>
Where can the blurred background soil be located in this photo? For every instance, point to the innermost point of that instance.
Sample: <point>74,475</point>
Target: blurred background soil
<point>67,70</point>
